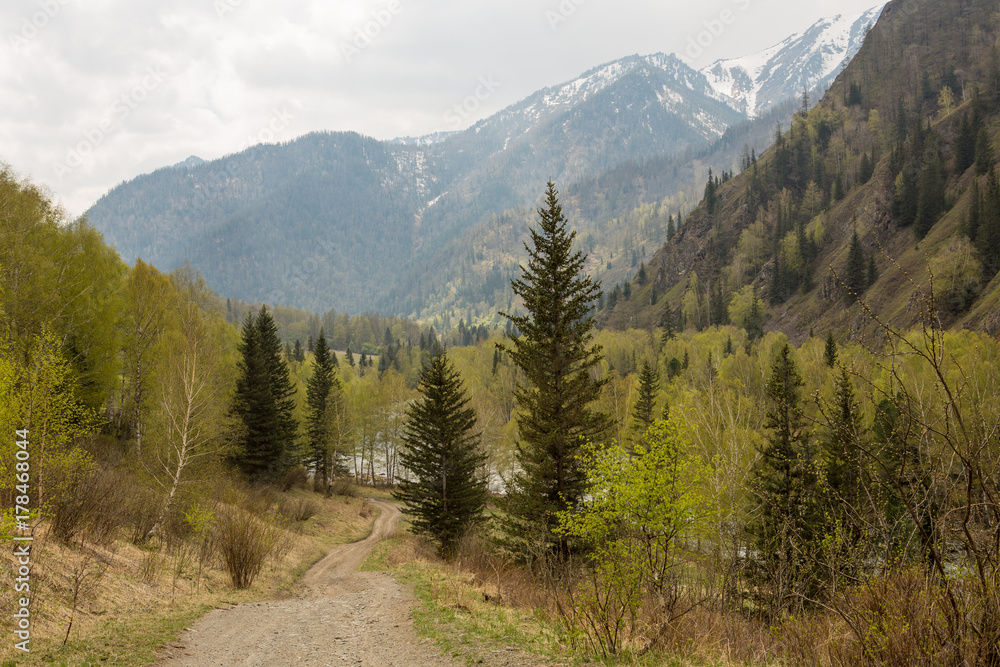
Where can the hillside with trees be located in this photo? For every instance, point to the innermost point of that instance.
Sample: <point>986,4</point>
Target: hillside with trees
<point>885,183</point>
<point>777,443</point>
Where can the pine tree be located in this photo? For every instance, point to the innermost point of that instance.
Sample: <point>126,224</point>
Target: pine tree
<point>984,152</point>
<point>853,98</point>
<point>841,489</point>
<point>350,356</point>
<point>855,274</point>
<point>783,481</point>
<point>667,322</point>
<point>866,169</point>
<point>965,145</point>
<point>443,492</point>
<point>988,232</point>
<point>840,449</point>
<point>754,323</point>
<point>263,401</point>
<point>324,402</point>
<point>711,198</point>
<point>556,353</point>
<point>718,308</point>
<point>297,353</point>
<point>973,217</point>
<point>830,352</point>
<point>649,386</point>
<point>930,201</point>
<point>872,277</point>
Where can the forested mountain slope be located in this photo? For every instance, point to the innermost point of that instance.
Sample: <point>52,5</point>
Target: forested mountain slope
<point>899,152</point>
<point>316,222</point>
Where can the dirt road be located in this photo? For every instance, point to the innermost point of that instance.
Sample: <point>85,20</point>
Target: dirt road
<point>341,617</point>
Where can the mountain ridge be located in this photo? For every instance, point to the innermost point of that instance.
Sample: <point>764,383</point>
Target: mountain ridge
<point>247,221</point>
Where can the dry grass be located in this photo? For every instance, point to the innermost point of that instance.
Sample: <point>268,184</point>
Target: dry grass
<point>147,595</point>
<point>479,605</point>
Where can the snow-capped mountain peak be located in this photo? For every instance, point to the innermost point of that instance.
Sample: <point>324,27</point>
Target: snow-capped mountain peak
<point>807,60</point>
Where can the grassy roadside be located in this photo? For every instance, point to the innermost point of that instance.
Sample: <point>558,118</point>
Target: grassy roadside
<point>460,612</point>
<point>454,612</point>
<point>132,600</point>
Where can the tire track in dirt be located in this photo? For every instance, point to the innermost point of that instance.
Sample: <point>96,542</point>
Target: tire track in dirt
<point>340,617</point>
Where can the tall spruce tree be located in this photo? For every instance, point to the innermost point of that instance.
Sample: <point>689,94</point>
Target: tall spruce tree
<point>984,152</point>
<point>645,406</point>
<point>324,401</point>
<point>556,353</point>
<point>988,230</point>
<point>783,481</point>
<point>930,200</point>
<point>263,401</point>
<point>856,271</point>
<point>846,507</point>
<point>830,352</point>
<point>842,451</point>
<point>444,492</point>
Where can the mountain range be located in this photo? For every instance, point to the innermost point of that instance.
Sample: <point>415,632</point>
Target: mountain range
<point>433,225</point>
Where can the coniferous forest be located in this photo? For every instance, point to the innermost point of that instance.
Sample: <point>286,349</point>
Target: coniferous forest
<point>773,440</point>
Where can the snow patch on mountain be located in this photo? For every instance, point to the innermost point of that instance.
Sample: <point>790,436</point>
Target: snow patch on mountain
<point>807,60</point>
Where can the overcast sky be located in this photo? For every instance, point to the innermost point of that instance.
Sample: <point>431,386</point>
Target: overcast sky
<point>94,92</point>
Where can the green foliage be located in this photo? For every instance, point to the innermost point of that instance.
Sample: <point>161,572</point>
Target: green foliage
<point>987,232</point>
<point>784,486</point>
<point>984,160</point>
<point>555,353</point>
<point>830,352</point>
<point>325,403</point>
<point>645,406</point>
<point>43,400</point>
<point>931,199</point>
<point>263,402</point>
<point>958,275</point>
<point>843,486</point>
<point>448,494</point>
<point>855,272</point>
<point>148,303</point>
<point>866,169</point>
<point>641,503</point>
<point>59,274</point>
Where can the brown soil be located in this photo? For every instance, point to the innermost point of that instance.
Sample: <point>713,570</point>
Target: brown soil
<point>338,616</point>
